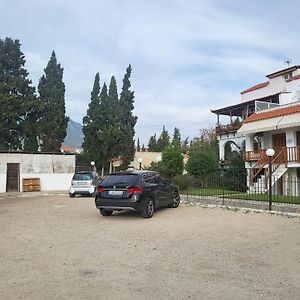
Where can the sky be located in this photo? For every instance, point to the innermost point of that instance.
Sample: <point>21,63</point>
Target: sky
<point>187,56</point>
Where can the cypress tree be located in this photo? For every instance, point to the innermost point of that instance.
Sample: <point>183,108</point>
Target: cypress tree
<point>52,95</point>
<point>176,137</point>
<point>127,121</point>
<point>152,144</point>
<point>17,99</point>
<point>138,147</point>
<point>164,140</point>
<point>143,148</point>
<point>92,124</point>
<point>112,115</point>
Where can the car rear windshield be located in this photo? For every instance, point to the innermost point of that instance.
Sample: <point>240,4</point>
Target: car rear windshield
<point>83,176</point>
<point>118,180</point>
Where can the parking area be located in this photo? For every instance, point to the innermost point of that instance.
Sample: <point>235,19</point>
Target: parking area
<point>55,247</point>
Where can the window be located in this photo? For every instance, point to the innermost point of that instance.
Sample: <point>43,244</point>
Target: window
<point>288,76</point>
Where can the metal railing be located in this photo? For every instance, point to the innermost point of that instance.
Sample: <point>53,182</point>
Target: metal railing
<point>223,188</point>
<point>292,154</point>
<point>228,128</point>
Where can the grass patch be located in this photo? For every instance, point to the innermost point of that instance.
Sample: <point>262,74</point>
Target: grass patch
<point>239,195</point>
<point>265,198</point>
<point>207,192</point>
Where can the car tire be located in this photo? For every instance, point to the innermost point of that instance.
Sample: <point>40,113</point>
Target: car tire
<point>105,213</point>
<point>148,209</point>
<point>71,195</point>
<point>176,200</point>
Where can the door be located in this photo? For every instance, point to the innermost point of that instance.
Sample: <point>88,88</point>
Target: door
<point>278,142</point>
<point>298,146</point>
<point>12,178</point>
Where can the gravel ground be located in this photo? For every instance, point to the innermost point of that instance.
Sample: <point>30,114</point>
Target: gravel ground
<point>53,247</point>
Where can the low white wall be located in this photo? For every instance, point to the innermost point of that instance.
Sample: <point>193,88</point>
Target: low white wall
<point>2,183</point>
<point>55,171</point>
<point>50,182</point>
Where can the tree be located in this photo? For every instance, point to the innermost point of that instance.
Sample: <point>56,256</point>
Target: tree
<point>53,125</point>
<point>176,137</point>
<point>127,121</point>
<point>236,168</point>
<point>143,148</point>
<point>138,147</point>
<point>152,144</point>
<point>112,115</point>
<point>202,164</point>
<point>207,140</point>
<point>164,140</point>
<point>185,145</point>
<point>92,125</point>
<point>172,161</point>
<point>18,102</point>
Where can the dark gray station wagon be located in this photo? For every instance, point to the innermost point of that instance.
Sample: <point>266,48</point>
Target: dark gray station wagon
<point>138,190</point>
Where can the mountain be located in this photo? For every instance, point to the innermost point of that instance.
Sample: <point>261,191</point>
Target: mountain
<point>74,136</point>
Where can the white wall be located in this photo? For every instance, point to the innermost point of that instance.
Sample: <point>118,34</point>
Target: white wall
<point>276,85</point>
<point>55,171</point>
<point>50,182</point>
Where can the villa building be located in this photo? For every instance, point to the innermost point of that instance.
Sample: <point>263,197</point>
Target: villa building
<point>269,115</point>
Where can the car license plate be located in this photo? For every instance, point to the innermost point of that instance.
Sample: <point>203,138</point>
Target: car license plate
<point>115,193</point>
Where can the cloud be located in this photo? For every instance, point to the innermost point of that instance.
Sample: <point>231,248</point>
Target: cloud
<point>187,56</point>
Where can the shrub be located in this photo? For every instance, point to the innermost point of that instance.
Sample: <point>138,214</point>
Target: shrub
<point>183,181</point>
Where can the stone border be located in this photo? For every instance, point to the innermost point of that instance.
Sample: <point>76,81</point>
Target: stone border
<point>243,207</point>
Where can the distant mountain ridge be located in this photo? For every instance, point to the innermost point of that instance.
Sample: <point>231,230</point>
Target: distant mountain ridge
<point>74,136</point>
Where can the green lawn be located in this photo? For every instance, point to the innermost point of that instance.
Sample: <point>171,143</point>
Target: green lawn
<point>238,195</point>
<point>265,197</point>
<point>207,192</point>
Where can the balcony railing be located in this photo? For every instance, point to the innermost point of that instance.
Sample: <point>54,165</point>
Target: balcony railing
<point>223,129</point>
<point>292,154</point>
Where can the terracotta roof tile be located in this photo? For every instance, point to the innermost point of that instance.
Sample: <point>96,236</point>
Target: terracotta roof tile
<point>67,148</point>
<point>294,77</point>
<point>272,113</point>
<point>255,87</point>
<point>283,71</point>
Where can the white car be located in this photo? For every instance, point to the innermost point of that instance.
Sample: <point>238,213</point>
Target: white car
<point>84,183</point>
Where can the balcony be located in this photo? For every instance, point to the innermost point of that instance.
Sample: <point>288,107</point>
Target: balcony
<point>292,154</point>
<point>224,129</point>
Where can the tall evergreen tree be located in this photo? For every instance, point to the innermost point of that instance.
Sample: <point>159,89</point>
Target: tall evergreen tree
<point>143,148</point>
<point>17,99</point>
<point>54,122</point>
<point>138,147</point>
<point>127,121</point>
<point>112,112</point>
<point>152,144</point>
<point>103,128</point>
<point>164,140</point>
<point>92,124</point>
<point>176,137</point>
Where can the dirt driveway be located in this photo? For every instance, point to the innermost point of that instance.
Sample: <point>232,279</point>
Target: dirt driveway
<point>53,247</point>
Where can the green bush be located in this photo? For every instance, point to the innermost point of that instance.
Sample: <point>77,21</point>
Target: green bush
<point>183,181</point>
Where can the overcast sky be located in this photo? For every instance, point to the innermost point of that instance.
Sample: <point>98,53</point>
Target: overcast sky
<point>187,56</point>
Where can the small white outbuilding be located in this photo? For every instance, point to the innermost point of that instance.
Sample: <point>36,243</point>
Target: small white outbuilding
<point>51,171</point>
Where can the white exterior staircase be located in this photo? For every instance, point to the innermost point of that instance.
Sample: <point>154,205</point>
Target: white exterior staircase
<point>261,186</point>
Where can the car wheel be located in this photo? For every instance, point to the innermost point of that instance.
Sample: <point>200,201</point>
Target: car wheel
<point>105,212</point>
<point>71,195</point>
<point>176,200</point>
<point>148,210</point>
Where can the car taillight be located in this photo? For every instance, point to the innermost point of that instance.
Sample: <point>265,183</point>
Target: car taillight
<point>134,189</point>
<point>100,189</point>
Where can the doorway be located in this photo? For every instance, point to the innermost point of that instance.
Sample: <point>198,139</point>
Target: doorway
<point>12,177</point>
<point>278,142</point>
